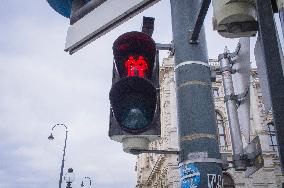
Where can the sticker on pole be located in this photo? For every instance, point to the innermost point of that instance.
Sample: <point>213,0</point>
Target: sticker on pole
<point>190,175</point>
<point>215,181</point>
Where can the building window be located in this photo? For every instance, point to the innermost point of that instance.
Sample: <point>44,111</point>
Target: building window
<point>215,92</point>
<point>228,181</point>
<point>272,134</point>
<point>221,130</point>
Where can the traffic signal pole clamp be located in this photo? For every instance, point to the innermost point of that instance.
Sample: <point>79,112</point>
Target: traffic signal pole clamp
<point>134,96</point>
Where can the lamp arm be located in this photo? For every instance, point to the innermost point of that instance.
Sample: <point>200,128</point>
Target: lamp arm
<point>59,124</point>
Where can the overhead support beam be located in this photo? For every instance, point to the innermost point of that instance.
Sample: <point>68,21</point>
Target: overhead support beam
<point>168,47</point>
<point>194,34</point>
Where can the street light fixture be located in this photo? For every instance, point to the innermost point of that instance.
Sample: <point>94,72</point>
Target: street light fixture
<point>69,177</point>
<point>51,137</point>
<point>90,181</point>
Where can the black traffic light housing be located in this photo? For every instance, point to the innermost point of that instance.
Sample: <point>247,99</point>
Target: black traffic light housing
<point>135,94</point>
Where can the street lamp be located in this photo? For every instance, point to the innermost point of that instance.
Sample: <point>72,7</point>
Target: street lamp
<point>90,181</point>
<point>51,137</point>
<point>69,177</point>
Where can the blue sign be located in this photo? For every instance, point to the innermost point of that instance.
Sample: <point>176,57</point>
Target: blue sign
<point>63,7</point>
<point>190,176</point>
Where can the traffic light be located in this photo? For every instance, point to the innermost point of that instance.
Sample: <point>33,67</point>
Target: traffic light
<point>134,96</point>
<point>235,19</point>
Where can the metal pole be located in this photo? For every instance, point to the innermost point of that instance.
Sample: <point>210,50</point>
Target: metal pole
<point>241,80</point>
<point>199,157</point>
<point>281,14</point>
<point>62,163</point>
<point>273,69</point>
<point>231,104</point>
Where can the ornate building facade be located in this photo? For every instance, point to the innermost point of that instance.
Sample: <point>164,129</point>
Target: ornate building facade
<point>161,170</point>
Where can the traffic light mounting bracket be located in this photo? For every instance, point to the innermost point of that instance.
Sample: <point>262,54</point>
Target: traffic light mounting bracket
<point>194,34</point>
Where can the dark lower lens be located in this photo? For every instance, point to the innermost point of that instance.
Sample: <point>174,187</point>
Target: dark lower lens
<point>136,112</point>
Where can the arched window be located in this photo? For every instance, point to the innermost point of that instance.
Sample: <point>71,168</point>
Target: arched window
<point>221,129</point>
<point>272,134</point>
<point>215,91</point>
<point>228,181</point>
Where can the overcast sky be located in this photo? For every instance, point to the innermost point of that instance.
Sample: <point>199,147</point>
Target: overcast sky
<point>41,85</point>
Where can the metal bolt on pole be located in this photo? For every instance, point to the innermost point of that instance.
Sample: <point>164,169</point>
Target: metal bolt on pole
<point>199,157</point>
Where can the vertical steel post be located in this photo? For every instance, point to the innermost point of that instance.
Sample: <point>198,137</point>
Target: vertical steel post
<point>273,69</point>
<point>63,160</point>
<point>281,14</point>
<point>199,157</point>
<point>63,157</point>
<point>231,105</point>
<point>241,80</point>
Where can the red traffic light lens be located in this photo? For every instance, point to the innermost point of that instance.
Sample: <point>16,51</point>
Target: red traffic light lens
<point>136,67</point>
<point>134,54</point>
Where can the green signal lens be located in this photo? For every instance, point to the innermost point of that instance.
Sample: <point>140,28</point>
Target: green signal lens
<point>135,119</point>
<point>133,101</point>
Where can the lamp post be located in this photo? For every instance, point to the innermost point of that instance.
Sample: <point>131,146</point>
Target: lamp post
<point>69,177</point>
<point>90,181</point>
<point>62,163</point>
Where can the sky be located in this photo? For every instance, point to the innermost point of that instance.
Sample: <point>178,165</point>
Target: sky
<point>41,85</point>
